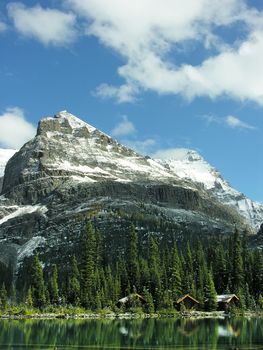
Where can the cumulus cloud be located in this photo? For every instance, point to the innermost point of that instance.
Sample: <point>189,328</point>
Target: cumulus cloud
<point>14,129</point>
<point>147,34</point>
<point>229,121</point>
<point>49,26</point>
<point>125,127</point>
<point>123,93</point>
<point>141,146</point>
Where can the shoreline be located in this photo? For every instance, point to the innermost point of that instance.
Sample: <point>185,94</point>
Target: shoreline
<point>193,315</point>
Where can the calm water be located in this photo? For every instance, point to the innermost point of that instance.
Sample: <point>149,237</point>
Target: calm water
<point>132,334</point>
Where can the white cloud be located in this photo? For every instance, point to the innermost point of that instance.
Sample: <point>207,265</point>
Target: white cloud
<point>236,123</point>
<point>146,34</point>
<point>171,153</point>
<point>14,129</point>
<point>142,147</point>
<point>123,93</point>
<point>229,121</point>
<point>125,127</point>
<point>49,26</point>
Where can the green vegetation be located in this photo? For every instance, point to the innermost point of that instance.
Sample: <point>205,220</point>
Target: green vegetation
<point>161,273</point>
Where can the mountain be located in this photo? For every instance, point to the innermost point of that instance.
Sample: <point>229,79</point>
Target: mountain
<point>189,165</point>
<point>71,173</point>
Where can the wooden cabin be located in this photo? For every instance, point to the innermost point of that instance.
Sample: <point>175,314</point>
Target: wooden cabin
<point>188,302</point>
<point>225,301</point>
<point>132,300</point>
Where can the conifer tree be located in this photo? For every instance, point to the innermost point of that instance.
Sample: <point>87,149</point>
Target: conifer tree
<point>260,301</point>
<point>155,278</point>
<point>87,267</point>
<point>53,286</point>
<point>211,301</point>
<point>201,281</point>
<point>189,272</point>
<point>29,298</point>
<point>73,295</point>
<point>149,305</point>
<point>121,271</point>
<point>237,264</point>
<point>13,294</point>
<point>257,273</point>
<point>175,280</point>
<point>3,297</point>
<point>98,305</point>
<point>132,259</point>
<point>37,284</point>
<point>220,269</point>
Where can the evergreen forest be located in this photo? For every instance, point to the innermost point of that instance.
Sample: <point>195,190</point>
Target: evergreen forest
<point>160,273</point>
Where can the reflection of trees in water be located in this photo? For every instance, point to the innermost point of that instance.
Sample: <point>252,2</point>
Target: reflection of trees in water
<point>132,333</point>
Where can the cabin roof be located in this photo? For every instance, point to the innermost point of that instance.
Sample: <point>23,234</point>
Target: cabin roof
<point>185,297</point>
<point>124,300</point>
<point>226,298</point>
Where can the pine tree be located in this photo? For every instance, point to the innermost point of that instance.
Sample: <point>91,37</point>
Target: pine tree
<point>110,292</point>
<point>149,305</point>
<point>257,273</point>
<point>211,301</point>
<point>132,259</point>
<point>220,269</point>
<point>201,283</point>
<point>260,301</point>
<point>155,277</point>
<point>175,280</point>
<point>87,267</point>
<point>189,272</point>
<point>98,301</point>
<point>53,286</point>
<point>3,297</point>
<point>37,284</point>
<point>237,264</point>
<point>124,278</point>
<point>29,298</point>
<point>73,294</point>
<point>13,294</point>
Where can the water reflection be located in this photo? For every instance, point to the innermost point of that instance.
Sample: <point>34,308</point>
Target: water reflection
<point>131,334</point>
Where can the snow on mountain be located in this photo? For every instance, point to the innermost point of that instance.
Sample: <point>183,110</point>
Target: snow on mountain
<point>72,151</point>
<point>5,155</point>
<point>188,164</point>
<point>87,154</point>
<point>71,170</point>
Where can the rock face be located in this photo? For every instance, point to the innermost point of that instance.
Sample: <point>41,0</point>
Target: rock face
<point>71,172</point>
<point>189,165</point>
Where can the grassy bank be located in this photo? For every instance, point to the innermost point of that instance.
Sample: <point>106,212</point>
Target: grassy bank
<point>21,312</point>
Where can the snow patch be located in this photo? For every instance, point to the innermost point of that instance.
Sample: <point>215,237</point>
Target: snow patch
<point>74,122</point>
<point>82,179</point>
<point>27,209</point>
<point>28,248</point>
<point>189,165</point>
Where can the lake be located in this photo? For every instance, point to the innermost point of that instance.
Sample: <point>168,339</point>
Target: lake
<point>233,333</point>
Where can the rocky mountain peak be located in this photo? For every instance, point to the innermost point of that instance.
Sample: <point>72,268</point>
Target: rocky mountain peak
<point>71,170</point>
<point>67,152</point>
<point>66,149</point>
<point>64,123</point>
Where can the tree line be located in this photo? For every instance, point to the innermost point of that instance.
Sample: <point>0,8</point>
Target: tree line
<point>160,273</point>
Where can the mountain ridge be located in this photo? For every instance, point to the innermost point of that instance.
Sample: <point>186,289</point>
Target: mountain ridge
<point>71,172</point>
<point>186,165</point>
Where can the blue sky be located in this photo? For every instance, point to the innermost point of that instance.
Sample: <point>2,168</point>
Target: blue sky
<point>156,74</point>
